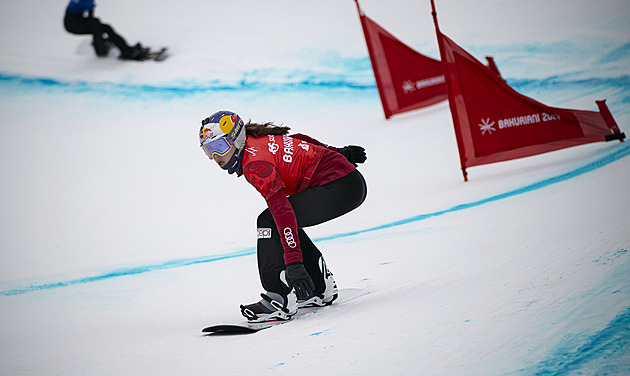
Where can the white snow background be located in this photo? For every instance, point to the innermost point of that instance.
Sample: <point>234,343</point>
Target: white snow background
<point>120,241</point>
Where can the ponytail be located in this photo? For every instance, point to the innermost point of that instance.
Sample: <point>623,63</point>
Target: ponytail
<point>264,129</point>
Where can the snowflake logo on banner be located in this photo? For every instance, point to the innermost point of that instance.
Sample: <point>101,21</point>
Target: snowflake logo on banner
<point>408,87</point>
<point>486,126</point>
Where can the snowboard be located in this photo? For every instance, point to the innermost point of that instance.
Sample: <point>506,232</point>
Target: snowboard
<point>85,48</point>
<point>236,329</point>
<point>244,327</point>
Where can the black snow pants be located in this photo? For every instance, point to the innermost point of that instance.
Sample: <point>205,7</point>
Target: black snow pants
<point>312,206</point>
<point>101,33</point>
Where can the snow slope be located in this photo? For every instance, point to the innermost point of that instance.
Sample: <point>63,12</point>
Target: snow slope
<point>119,240</point>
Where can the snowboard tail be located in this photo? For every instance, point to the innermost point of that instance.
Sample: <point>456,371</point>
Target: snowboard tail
<point>159,55</point>
<point>238,329</point>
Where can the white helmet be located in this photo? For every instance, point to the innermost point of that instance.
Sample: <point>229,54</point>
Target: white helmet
<point>219,132</point>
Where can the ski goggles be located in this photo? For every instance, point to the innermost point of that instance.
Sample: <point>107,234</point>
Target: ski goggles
<point>219,146</point>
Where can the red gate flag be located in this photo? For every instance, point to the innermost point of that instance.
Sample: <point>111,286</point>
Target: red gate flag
<point>494,123</point>
<point>406,79</point>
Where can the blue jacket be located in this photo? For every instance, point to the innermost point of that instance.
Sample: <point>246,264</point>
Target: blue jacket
<point>80,6</point>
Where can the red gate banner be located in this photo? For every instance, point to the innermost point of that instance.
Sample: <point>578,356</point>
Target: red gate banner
<point>494,123</point>
<point>406,79</point>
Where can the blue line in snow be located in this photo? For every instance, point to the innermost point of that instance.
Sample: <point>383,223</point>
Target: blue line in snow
<point>619,151</point>
<point>604,352</point>
<point>129,271</point>
<point>308,81</point>
<point>354,76</point>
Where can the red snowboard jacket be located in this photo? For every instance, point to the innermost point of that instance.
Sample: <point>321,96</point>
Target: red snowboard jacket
<point>280,166</point>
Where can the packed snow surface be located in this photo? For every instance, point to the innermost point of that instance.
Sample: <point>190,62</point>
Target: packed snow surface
<point>120,240</point>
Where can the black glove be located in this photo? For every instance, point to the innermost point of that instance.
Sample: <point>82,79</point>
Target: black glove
<point>298,278</point>
<point>354,154</point>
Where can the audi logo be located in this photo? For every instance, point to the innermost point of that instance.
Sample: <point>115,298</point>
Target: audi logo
<point>288,236</point>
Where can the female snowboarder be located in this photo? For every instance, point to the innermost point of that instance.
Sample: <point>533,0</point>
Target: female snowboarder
<point>304,183</point>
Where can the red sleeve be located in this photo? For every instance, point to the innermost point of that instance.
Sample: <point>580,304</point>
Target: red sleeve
<point>313,141</point>
<point>286,223</point>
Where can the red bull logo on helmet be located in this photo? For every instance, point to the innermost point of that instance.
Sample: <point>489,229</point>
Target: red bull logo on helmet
<point>205,134</point>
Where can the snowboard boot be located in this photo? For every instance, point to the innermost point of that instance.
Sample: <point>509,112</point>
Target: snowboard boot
<point>136,52</point>
<point>326,297</point>
<point>102,47</point>
<point>272,307</point>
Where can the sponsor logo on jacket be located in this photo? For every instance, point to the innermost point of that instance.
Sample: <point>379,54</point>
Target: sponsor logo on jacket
<point>288,149</point>
<point>264,233</point>
<point>288,236</point>
<point>273,147</point>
